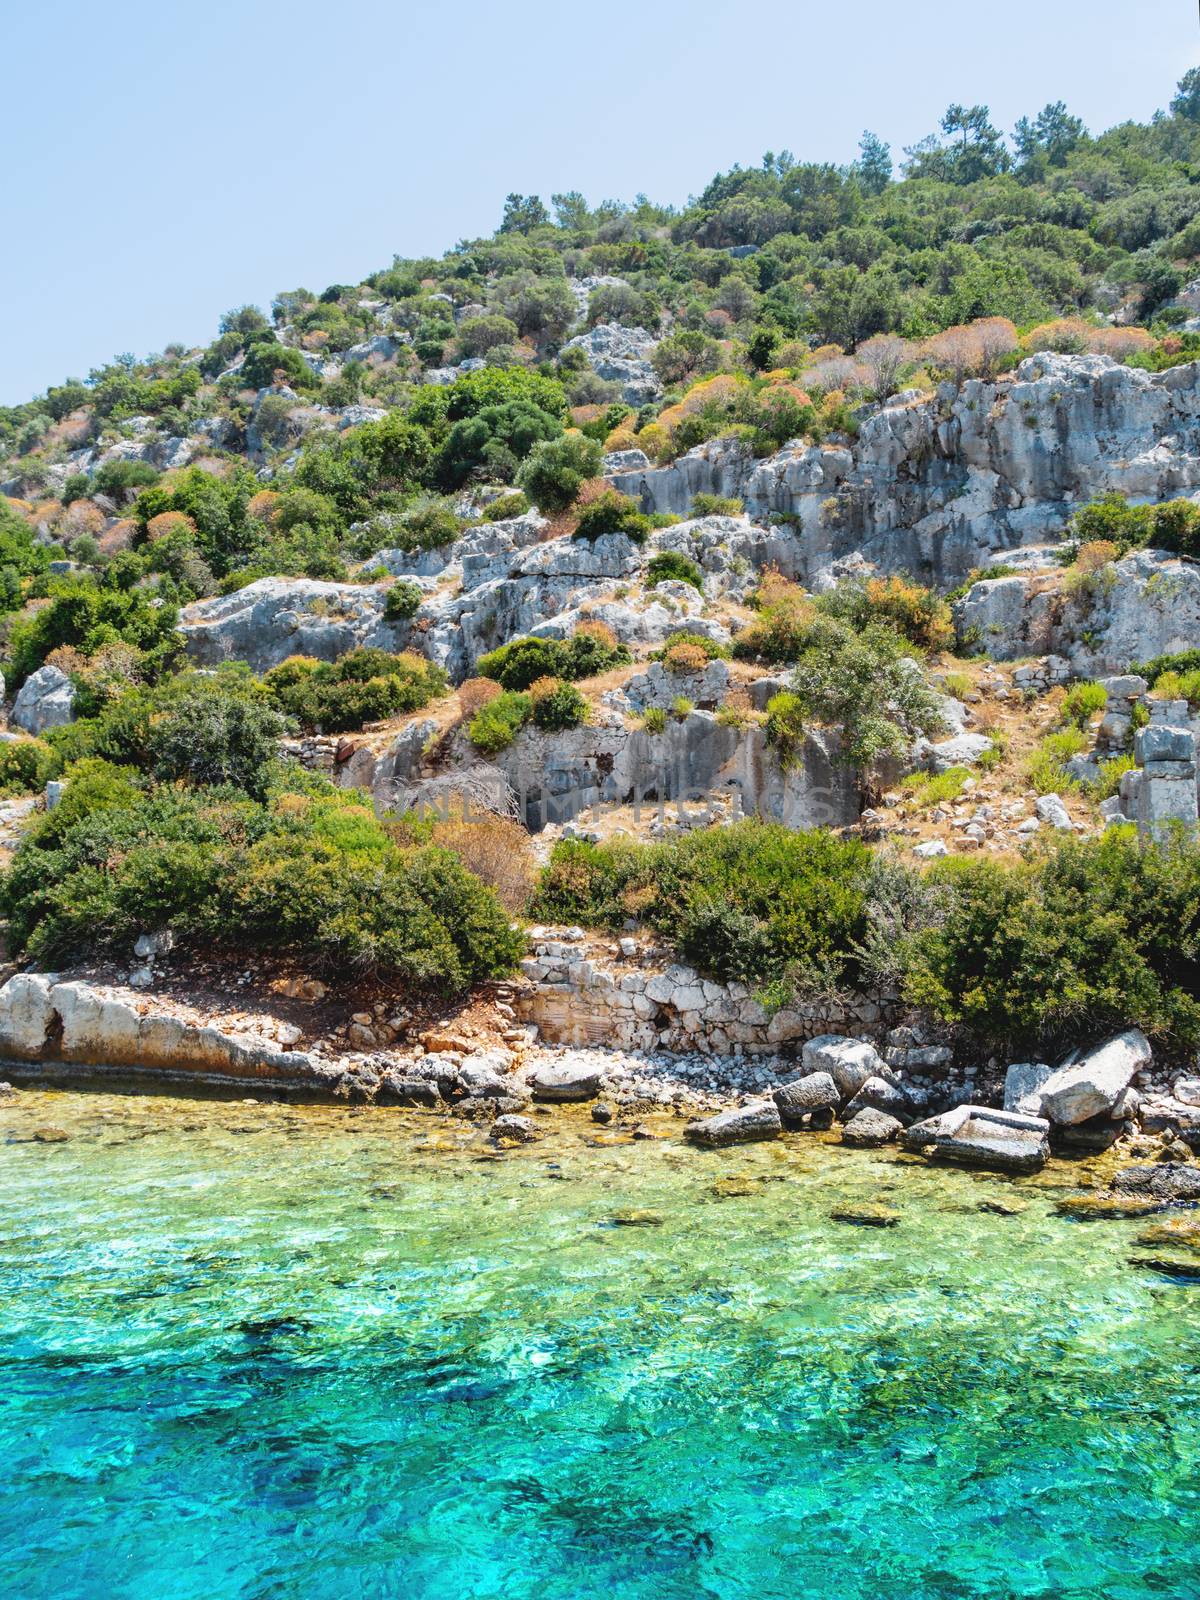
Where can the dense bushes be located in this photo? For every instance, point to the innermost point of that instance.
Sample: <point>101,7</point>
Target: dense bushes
<point>307,872</point>
<point>497,722</point>
<point>521,661</point>
<point>612,512</point>
<point>1093,936</point>
<point>1056,950</point>
<point>1173,525</point>
<point>87,616</point>
<point>556,471</point>
<point>916,613</point>
<point>754,902</point>
<point>364,686</point>
<point>670,566</point>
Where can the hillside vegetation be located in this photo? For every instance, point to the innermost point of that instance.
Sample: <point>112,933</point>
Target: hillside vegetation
<point>342,429</point>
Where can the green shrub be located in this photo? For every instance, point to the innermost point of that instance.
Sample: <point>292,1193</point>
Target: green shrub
<point>561,707</point>
<point>210,737</point>
<point>1096,935</point>
<point>1082,701</point>
<point>612,512</point>
<point>1111,773</point>
<point>681,708</point>
<point>936,788</point>
<point>1172,685</point>
<point>866,683</point>
<point>756,901</point>
<point>366,685</point>
<point>524,660</point>
<point>402,601</point>
<point>119,478</point>
<point>557,469</point>
<point>714,505</point>
<point>429,523</point>
<point>1047,770</point>
<point>654,720</point>
<point>670,565</point>
<point>495,725</point>
<point>507,505</point>
<point>1174,525</point>
<point>957,684</point>
<point>312,874</point>
<point>1183,661</point>
<point>697,641</point>
<point>785,725</point>
<point>26,765</point>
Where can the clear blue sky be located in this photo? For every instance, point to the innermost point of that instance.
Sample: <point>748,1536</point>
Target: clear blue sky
<point>165,161</point>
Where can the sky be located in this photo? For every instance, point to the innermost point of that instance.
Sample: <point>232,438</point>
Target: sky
<point>164,162</point>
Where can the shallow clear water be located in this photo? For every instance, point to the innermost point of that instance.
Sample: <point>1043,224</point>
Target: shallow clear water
<point>271,1352</point>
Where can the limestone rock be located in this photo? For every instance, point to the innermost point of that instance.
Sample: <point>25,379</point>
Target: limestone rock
<point>397,1090</point>
<point>1090,1085</point>
<point>877,1094</point>
<point>801,1096</point>
<point>274,618</point>
<point>1050,808</point>
<point>45,700</point>
<point>978,1136</point>
<point>849,1062</point>
<point>547,1084</point>
<point>1022,1086</point>
<point>742,1125</point>
<point>871,1127</point>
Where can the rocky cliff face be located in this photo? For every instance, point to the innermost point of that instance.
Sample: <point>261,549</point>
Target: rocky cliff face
<point>934,486</point>
<point>1145,605</point>
<point>552,778</point>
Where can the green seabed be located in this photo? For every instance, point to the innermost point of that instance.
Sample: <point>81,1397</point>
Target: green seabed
<point>253,1350</point>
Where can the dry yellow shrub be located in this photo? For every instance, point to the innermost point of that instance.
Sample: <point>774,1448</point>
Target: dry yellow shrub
<point>595,629</point>
<point>541,688</point>
<point>1096,553</point>
<point>261,506</point>
<point>168,522</point>
<point>496,850</point>
<point>685,658</point>
<point>475,694</point>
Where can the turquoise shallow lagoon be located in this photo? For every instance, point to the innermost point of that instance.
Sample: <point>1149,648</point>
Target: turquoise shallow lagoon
<point>301,1354</point>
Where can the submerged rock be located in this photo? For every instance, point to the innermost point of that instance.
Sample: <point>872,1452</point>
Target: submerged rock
<point>871,1127</point>
<point>742,1125</point>
<point>867,1216</point>
<point>1166,1180</point>
<point>978,1136</point>
<point>513,1129</point>
<point>1098,1206</point>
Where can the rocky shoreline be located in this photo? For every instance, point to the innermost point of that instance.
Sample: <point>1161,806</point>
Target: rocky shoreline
<point>870,1092</point>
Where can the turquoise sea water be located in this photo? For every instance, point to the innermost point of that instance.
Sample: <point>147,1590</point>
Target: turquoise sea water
<point>297,1354</point>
